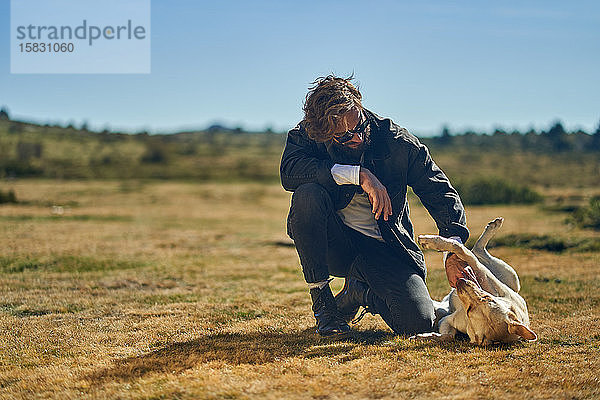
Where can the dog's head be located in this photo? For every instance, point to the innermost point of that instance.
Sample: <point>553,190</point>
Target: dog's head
<point>490,319</point>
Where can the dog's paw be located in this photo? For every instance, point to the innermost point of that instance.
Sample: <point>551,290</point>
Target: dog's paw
<point>435,242</point>
<point>495,224</point>
<point>425,337</point>
<point>431,337</point>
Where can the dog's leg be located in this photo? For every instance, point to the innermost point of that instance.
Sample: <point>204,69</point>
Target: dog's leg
<point>447,332</point>
<point>447,326</point>
<point>442,244</point>
<point>501,270</point>
<point>488,233</point>
<point>441,309</point>
<point>439,243</point>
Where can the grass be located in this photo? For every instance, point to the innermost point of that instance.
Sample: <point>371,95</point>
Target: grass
<point>64,263</point>
<point>149,290</point>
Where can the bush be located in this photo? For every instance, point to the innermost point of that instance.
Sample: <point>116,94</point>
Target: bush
<point>156,152</point>
<point>26,150</point>
<point>588,216</point>
<point>551,243</point>
<point>8,197</point>
<point>495,191</point>
<point>532,241</point>
<point>21,169</point>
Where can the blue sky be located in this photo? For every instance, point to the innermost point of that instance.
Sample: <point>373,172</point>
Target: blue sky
<point>470,65</point>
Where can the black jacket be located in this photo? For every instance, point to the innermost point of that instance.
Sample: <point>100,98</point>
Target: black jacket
<point>397,159</point>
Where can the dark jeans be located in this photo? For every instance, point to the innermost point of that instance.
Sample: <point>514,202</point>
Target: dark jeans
<point>328,247</point>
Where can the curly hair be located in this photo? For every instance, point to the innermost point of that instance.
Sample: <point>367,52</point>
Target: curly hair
<point>328,99</point>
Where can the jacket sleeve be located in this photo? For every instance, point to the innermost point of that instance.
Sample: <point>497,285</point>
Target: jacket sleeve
<point>302,163</point>
<point>436,193</point>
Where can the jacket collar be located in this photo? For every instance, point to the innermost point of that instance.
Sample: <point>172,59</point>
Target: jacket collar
<point>379,148</point>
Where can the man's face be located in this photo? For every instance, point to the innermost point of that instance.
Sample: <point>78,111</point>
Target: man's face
<point>350,120</point>
<point>350,150</point>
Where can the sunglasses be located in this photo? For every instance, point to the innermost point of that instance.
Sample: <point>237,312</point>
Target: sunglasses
<point>348,135</point>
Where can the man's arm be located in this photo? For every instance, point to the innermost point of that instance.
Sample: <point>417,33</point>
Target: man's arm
<point>377,192</point>
<point>344,174</point>
<point>437,194</point>
<point>300,163</point>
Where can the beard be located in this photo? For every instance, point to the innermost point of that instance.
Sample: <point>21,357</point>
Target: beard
<point>341,154</point>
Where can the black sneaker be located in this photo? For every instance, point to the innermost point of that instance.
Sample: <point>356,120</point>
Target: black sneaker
<point>329,320</point>
<point>351,298</point>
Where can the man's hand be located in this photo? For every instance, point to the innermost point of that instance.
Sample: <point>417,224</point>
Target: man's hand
<point>455,269</point>
<point>378,195</point>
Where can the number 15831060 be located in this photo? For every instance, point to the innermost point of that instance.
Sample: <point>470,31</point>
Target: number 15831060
<point>35,47</point>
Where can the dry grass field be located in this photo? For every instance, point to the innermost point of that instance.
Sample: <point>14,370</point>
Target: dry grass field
<point>160,290</point>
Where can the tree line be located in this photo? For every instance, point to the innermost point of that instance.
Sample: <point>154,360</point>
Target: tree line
<point>554,140</point>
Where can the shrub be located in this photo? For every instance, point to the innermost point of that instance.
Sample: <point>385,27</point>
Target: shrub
<point>551,243</point>
<point>26,150</point>
<point>532,241</point>
<point>15,168</point>
<point>156,152</point>
<point>8,197</point>
<point>495,191</point>
<point>588,216</point>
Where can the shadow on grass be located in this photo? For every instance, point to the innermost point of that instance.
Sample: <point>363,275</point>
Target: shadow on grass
<point>281,243</point>
<point>235,349</point>
<point>462,344</point>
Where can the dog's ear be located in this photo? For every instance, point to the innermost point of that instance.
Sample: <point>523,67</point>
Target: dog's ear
<point>518,328</point>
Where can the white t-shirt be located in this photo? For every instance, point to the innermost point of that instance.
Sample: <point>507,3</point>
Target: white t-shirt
<point>358,213</point>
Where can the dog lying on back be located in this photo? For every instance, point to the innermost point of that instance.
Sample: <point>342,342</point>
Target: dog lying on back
<point>487,306</point>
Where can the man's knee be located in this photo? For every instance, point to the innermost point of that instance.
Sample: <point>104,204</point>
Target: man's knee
<point>412,318</point>
<point>311,204</point>
<point>412,307</point>
<point>310,201</point>
<point>424,317</point>
<point>311,196</point>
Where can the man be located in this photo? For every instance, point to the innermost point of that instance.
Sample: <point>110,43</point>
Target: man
<point>349,217</point>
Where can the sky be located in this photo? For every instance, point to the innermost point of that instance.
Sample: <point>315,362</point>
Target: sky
<point>467,64</point>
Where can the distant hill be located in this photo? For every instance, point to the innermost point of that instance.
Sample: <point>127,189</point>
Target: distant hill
<point>553,158</point>
<point>30,150</point>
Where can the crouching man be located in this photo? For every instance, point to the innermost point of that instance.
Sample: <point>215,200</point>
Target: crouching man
<point>349,170</point>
